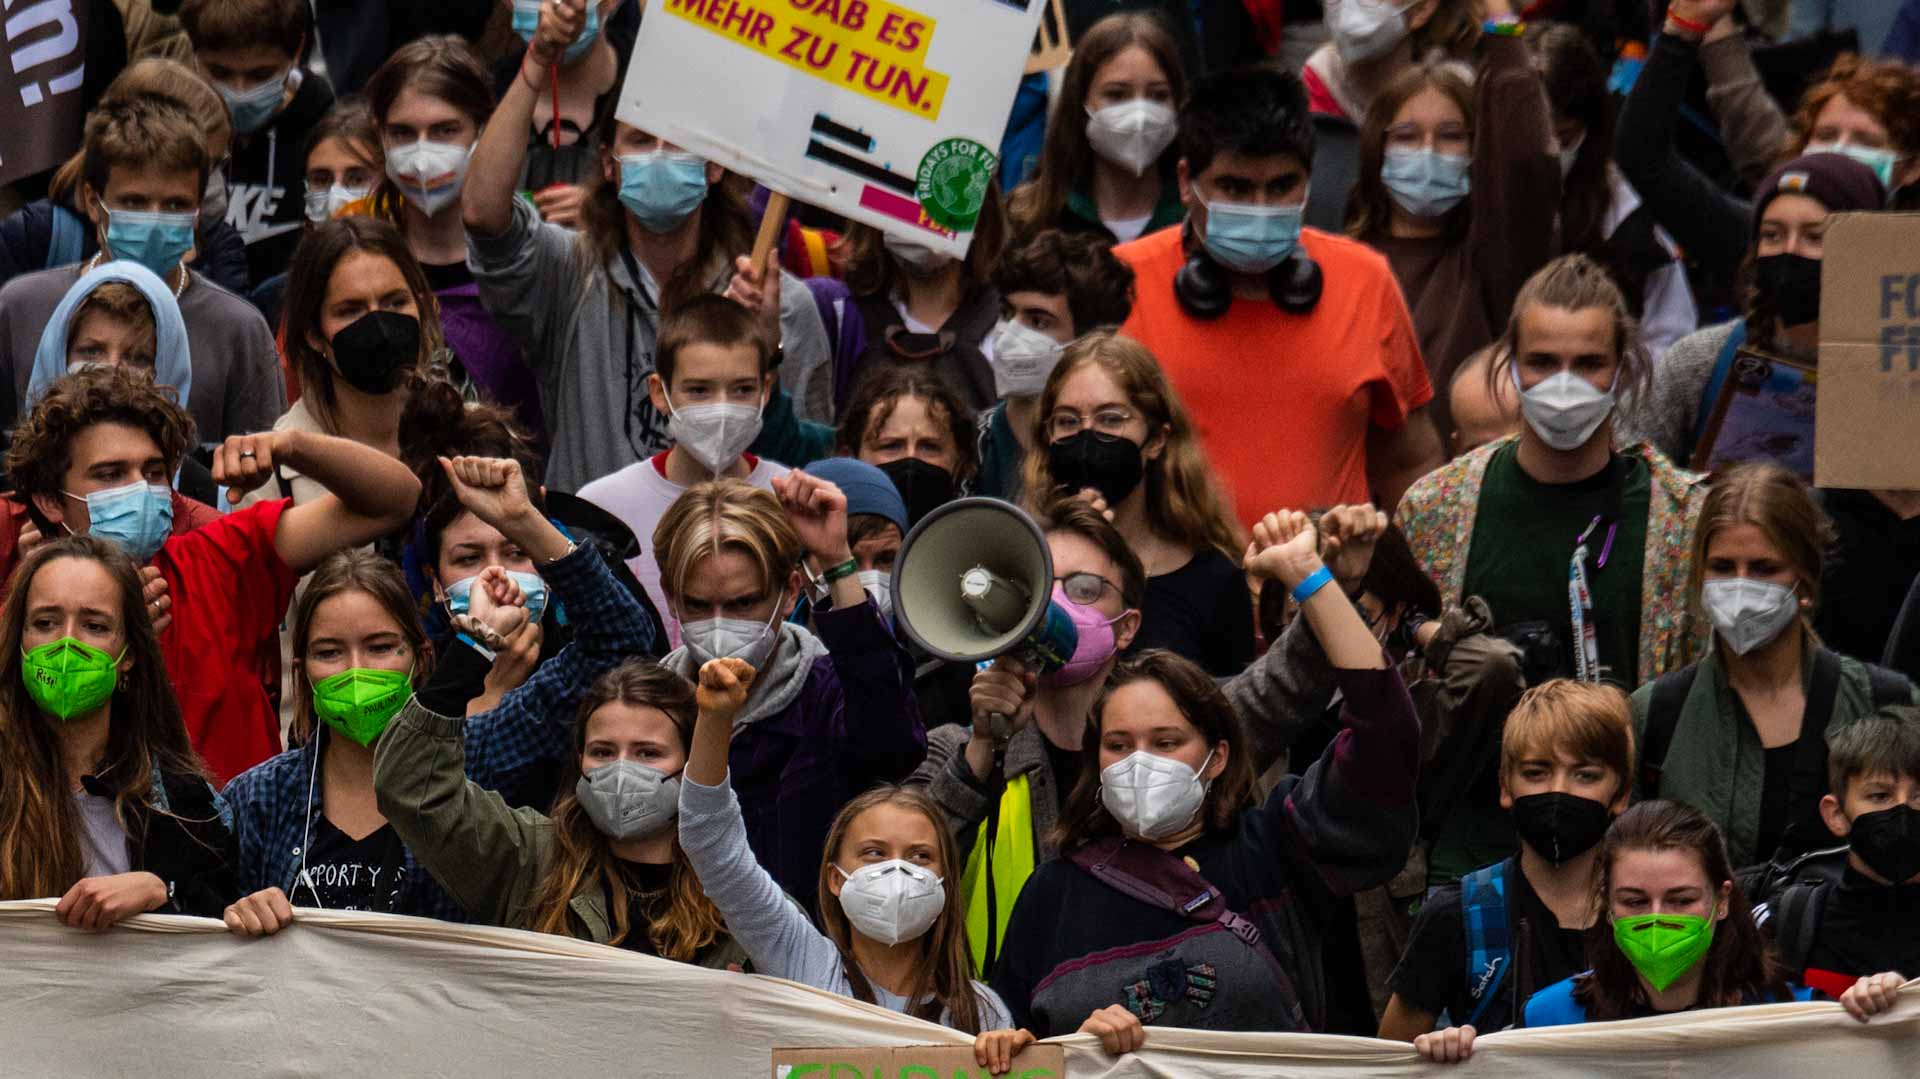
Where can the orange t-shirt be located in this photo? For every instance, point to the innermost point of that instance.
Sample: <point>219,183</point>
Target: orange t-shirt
<point>1283,402</point>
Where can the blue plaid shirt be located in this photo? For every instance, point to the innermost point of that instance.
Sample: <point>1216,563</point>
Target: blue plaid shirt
<point>276,803</point>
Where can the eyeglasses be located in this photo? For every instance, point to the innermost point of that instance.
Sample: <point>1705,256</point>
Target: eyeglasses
<point>1065,422</point>
<point>1085,588</point>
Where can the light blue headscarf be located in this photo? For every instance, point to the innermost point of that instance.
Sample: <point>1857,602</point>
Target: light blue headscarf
<point>172,363</point>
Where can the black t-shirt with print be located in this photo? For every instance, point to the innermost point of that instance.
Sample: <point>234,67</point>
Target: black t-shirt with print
<point>344,873</point>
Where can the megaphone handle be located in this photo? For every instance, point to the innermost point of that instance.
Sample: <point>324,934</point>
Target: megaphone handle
<point>1001,726</point>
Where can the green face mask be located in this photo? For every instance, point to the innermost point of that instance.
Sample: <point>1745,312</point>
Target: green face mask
<point>67,678</point>
<point>1662,947</point>
<point>360,702</point>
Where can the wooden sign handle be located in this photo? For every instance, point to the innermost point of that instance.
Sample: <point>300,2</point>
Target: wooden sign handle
<point>770,225</point>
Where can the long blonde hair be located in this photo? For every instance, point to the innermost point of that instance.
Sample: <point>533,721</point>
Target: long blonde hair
<point>725,514</point>
<point>1183,503</point>
<point>583,856</point>
<point>943,969</point>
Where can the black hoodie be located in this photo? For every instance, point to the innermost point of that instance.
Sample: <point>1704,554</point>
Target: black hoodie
<point>266,180</point>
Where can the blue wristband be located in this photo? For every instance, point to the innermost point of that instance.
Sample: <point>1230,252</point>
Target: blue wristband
<point>1315,581</point>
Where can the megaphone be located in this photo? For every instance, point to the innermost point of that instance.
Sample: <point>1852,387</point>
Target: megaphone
<point>974,580</point>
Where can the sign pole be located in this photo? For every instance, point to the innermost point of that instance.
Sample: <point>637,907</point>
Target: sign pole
<point>770,225</point>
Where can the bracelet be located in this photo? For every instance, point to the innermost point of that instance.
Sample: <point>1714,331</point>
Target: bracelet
<point>1504,26</point>
<point>1315,581</point>
<point>1691,26</point>
<point>841,572</point>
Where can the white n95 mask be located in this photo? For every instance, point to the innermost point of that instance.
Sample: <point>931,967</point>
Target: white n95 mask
<point>892,901</point>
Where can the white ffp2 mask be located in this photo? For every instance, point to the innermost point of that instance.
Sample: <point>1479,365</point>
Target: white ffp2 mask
<point>1747,614</point>
<point>892,901</point>
<point>1564,409</point>
<point>1152,797</point>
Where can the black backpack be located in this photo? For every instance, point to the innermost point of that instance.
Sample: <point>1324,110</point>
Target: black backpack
<point>1789,899</point>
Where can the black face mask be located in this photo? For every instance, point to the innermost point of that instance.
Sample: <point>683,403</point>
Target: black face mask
<point>1888,840</point>
<point>923,487</point>
<point>376,350</point>
<point>1792,284</point>
<point>1109,464</point>
<point>1558,826</point>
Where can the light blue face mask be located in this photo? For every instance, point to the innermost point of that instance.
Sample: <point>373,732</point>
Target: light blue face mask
<point>460,593</point>
<point>153,239</point>
<point>136,517</point>
<point>1252,239</point>
<point>1425,182</point>
<point>251,109</point>
<point>662,188</point>
<point>526,20</point>
<point>1880,161</point>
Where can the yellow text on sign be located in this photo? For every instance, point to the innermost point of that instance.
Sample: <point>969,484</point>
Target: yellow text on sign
<point>871,47</point>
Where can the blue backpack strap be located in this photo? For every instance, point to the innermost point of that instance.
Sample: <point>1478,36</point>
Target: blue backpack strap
<point>64,248</point>
<point>1483,909</point>
<point>1722,366</point>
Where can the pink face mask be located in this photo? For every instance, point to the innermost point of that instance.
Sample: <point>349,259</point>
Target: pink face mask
<point>1095,642</point>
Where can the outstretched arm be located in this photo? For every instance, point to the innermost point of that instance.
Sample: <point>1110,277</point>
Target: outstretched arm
<point>369,494</point>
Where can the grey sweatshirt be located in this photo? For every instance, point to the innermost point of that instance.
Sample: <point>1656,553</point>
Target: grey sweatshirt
<point>775,932</point>
<point>588,333</point>
<point>1665,417</point>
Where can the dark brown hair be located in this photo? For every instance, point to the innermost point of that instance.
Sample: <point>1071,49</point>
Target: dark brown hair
<point>438,423</point>
<point>42,448</point>
<point>583,857</point>
<point>1370,209</point>
<point>351,123</point>
<point>1066,158</point>
<point>40,828</point>
<point>1738,967</point>
<point>1074,517</point>
<point>241,24</point>
<point>142,132</point>
<point>163,80</point>
<point>1575,78</point>
<point>1884,743</point>
<point>708,318</point>
<point>320,250</point>
<point>943,971</point>
<point>1084,817</point>
<point>1097,285</point>
<point>881,388</point>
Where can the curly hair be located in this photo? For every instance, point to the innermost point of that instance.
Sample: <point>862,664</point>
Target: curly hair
<point>1888,89</point>
<point>1097,285</point>
<point>42,448</point>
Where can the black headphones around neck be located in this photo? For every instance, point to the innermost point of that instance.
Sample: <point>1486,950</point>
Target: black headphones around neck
<point>1205,288</point>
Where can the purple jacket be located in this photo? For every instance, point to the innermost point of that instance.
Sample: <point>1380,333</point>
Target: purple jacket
<point>830,716</point>
<point>490,357</point>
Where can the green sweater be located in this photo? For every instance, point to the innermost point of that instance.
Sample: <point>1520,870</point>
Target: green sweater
<point>1716,762</point>
<point>492,859</point>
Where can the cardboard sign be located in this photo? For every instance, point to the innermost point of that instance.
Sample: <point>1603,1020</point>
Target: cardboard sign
<point>888,112</point>
<point>1051,49</point>
<point>1869,405</point>
<point>913,1062</point>
<point>1765,412</point>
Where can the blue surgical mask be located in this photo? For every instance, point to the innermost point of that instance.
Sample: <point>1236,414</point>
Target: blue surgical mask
<point>153,239</point>
<point>1426,183</point>
<point>526,20</point>
<point>1879,160</point>
<point>662,188</point>
<point>460,593</point>
<point>251,109</point>
<point>137,517</point>
<point>1252,239</point>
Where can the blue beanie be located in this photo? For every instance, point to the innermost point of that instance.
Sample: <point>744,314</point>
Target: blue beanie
<point>868,489</point>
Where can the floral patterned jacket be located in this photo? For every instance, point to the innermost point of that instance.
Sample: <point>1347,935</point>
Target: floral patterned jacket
<point>1438,512</point>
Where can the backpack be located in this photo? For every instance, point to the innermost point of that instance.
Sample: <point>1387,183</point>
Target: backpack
<point>1483,913</point>
<point>1790,901</point>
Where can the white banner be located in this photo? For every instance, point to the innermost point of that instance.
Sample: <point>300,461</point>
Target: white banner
<point>884,111</point>
<point>344,995</point>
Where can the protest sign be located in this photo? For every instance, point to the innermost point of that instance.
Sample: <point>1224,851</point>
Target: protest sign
<point>888,112</point>
<point>912,1062</point>
<point>340,993</point>
<point>45,42</point>
<point>1869,404</point>
<point>1765,412</point>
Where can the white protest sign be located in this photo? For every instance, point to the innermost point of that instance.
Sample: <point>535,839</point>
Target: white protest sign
<point>888,112</point>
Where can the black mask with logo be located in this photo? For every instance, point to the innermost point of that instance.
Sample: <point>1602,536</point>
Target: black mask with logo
<point>1559,826</point>
<point>1109,464</point>
<point>375,351</point>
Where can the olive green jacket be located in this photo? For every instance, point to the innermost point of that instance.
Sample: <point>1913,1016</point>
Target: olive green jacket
<point>1716,763</point>
<point>491,858</point>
